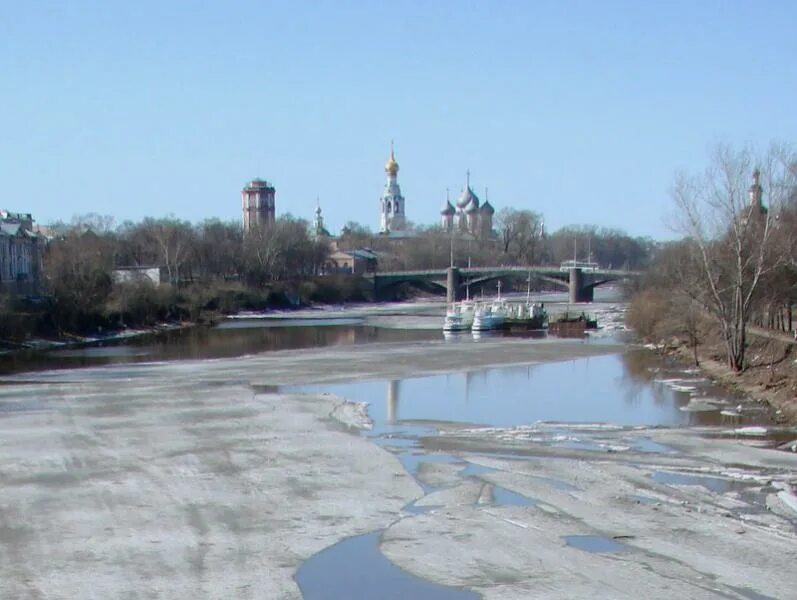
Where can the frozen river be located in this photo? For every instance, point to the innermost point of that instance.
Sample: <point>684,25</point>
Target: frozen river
<point>360,454</point>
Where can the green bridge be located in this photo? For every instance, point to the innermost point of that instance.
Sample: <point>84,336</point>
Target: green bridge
<point>580,282</point>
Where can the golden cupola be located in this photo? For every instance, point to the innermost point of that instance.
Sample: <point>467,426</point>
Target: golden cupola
<point>391,166</point>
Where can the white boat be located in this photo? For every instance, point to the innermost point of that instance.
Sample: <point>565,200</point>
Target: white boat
<point>459,317</point>
<point>490,316</point>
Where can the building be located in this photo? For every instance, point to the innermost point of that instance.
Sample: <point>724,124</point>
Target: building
<point>392,216</point>
<point>469,215</point>
<point>257,204</point>
<point>756,209</point>
<point>319,231</point>
<point>138,274</point>
<point>20,252</point>
<point>354,262</point>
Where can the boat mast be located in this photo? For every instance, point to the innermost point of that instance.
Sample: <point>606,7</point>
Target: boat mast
<point>528,289</point>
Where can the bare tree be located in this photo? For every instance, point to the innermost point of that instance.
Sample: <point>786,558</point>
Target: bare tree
<point>521,234</point>
<point>219,249</point>
<point>77,269</point>
<point>167,242</point>
<point>283,251</point>
<point>731,224</point>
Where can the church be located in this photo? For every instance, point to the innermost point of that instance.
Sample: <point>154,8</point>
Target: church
<point>469,215</point>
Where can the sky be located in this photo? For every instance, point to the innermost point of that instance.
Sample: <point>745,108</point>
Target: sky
<point>581,111</point>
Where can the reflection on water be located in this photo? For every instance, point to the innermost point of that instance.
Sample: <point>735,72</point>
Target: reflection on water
<point>617,388</point>
<point>228,340</point>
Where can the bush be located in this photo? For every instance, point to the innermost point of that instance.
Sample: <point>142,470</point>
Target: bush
<point>648,313</point>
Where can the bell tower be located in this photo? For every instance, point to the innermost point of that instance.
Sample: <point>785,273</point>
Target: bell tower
<point>391,207</point>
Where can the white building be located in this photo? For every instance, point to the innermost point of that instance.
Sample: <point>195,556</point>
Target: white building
<point>392,216</point>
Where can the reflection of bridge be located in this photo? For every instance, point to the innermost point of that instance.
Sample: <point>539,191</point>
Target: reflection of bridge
<point>580,282</point>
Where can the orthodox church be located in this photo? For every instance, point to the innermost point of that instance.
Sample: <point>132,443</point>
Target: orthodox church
<point>469,215</point>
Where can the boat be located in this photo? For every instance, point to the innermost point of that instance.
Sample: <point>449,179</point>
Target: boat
<point>570,324</point>
<point>490,316</point>
<point>459,316</point>
<point>527,316</point>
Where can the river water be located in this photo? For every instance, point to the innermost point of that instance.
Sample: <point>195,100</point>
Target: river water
<point>628,388</point>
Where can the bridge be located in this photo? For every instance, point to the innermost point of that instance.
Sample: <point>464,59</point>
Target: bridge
<point>581,282</point>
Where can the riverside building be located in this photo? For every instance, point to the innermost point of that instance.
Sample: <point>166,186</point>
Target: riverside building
<point>258,205</point>
<point>20,252</point>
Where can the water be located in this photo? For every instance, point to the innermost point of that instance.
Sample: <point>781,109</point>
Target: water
<point>589,390</point>
<point>310,328</point>
<point>618,389</point>
<point>233,338</point>
<point>354,568</point>
<point>594,543</point>
<point>614,388</point>
<point>505,497</point>
<point>713,484</point>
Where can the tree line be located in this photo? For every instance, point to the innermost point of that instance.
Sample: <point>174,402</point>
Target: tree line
<point>735,264</point>
<point>519,239</point>
<point>213,267</point>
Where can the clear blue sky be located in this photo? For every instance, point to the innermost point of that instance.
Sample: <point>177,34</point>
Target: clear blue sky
<point>579,110</point>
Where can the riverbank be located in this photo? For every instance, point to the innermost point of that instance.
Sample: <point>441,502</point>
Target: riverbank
<point>78,341</point>
<point>204,478</point>
<point>770,379</point>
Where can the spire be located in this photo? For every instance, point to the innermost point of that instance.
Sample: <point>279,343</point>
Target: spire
<point>318,222</point>
<point>755,191</point>
<point>391,166</point>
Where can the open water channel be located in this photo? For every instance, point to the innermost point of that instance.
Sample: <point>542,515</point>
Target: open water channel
<point>563,405</point>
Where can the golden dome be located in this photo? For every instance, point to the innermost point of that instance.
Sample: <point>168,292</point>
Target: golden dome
<point>391,166</point>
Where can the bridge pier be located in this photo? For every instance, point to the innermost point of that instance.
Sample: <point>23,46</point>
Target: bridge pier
<point>453,285</point>
<point>579,291</point>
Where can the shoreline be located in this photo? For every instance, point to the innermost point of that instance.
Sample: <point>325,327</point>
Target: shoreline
<point>75,341</point>
<point>775,395</point>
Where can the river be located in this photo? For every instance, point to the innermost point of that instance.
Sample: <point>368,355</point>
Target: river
<point>203,461</point>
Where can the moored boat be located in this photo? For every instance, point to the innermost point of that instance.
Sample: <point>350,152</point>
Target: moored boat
<point>459,317</point>
<point>490,316</point>
<point>529,315</point>
<point>569,324</point>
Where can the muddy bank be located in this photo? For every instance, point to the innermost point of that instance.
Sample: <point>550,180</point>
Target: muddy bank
<point>770,379</point>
